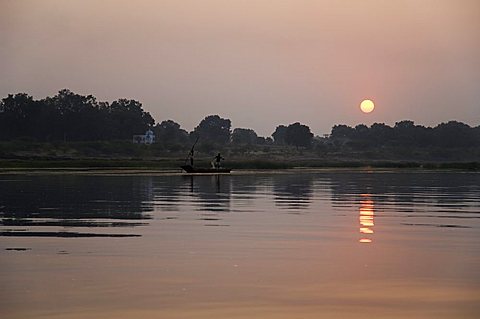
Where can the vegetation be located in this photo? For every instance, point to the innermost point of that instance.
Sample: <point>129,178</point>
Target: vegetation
<point>214,129</point>
<point>70,117</point>
<point>73,129</point>
<point>406,134</point>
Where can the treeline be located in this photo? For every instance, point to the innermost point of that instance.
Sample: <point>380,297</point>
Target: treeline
<point>452,134</point>
<point>68,116</point>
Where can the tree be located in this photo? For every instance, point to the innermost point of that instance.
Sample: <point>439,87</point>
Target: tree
<point>403,131</point>
<point>380,133</point>
<point>408,134</point>
<point>342,131</point>
<point>75,117</point>
<point>213,129</point>
<point>361,132</point>
<point>454,134</point>
<point>70,116</point>
<point>17,114</point>
<point>244,136</point>
<point>126,118</point>
<point>476,135</point>
<point>279,136</point>
<point>169,133</point>
<point>298,135</point>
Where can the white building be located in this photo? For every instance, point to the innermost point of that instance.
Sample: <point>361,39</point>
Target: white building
<point>148,138</point>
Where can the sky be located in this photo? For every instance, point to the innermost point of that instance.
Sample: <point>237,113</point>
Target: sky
<point>260,63</point>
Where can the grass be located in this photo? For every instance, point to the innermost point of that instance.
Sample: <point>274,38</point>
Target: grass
<point>23,155</point>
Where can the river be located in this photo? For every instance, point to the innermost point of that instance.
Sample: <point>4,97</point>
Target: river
<point>294,244</point>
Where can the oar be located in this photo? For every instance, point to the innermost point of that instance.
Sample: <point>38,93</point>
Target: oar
<point>191,151</point>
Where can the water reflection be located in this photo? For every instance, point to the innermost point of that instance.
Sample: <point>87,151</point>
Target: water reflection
<point>453,195</point>
<point>366,218</point>
<point>73,201</point>
<point>268,261</point>
<point>293,191</point>
<point>124,201</point>
<point>76,197</point>
<point>168,192</point>
<point>212,192</point>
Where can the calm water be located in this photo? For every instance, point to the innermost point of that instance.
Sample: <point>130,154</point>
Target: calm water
<point>292,245</point>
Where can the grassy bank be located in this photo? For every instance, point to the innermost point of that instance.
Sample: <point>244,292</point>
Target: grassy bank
<point>110,155</point>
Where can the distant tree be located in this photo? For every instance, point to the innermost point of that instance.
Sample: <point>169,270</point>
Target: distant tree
<point>213,129</point>
<point>76,117</point>
<point>404,132</point>
<point>244,136</point>
<point>381,133</point>
<point>342,131</point>
<point>408,134</point>
<point>279,136</point>
<point>263,141</point>
<point>127,118</point>
<point>361,132</point>
<point>476,134</point>
<point>298,135</point>
<point>404,125</point>
<point>169,133</point>
<point>454,134</point>
<point>70,117</point>
<point>17,116</point>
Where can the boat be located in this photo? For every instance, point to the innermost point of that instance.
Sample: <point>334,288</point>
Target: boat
<point>204,170</point>
<point>215,169</point>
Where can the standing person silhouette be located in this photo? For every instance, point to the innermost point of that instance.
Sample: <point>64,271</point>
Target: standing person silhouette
<point>191,158</point>
<point>218,158</point>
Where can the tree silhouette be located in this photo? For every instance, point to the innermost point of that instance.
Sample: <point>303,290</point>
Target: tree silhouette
<point>244,136</point>
<point>298,135</point>
<point>69,116</point>
<point>381,133</point>
<point>342,131</point>
<point>214,129</point>
<point>454,134</point>
<point>169,133</point>
<point>128,118</point>
<point>279,136</point>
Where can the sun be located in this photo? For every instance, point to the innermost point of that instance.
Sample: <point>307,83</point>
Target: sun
<point>367,106</point>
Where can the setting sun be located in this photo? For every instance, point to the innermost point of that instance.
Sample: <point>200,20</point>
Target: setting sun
<point>367,106</point>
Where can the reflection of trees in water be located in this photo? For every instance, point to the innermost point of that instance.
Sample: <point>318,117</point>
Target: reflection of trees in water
<point>75,197</point>
<point>212,192</point>
<point>168,191</point>
<point>209,192</point>
<point>293,191</point>
<point>246,190</point>
<point>404,190</point>
<point>245,187</point>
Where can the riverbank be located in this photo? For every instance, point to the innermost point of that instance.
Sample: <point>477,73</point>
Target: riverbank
<point>169,164</point>
<point>123,155</point>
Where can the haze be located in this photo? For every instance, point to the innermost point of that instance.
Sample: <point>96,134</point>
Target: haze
<point>259,63</point>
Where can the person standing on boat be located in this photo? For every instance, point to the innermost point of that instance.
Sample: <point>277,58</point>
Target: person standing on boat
<point>218,158</point>
<point>190,158</point>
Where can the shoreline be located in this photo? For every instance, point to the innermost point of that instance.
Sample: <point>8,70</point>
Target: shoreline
<point>171,167</point>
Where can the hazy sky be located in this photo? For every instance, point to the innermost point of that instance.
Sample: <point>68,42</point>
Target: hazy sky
<point>260,63</point>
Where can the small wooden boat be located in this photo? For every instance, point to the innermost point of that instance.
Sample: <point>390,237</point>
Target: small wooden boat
<point>205,170</point>
<point>191,169</point>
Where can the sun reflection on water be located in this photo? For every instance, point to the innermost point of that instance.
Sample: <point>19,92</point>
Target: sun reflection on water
<point>366,218</point>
